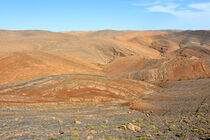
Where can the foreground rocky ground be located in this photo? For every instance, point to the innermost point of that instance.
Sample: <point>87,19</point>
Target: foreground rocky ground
<point>183,115</point>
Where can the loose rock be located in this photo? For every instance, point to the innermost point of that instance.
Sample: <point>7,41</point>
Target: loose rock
<point>123,127</point>
<point>93,132</point>
<point>89,137</point>
<point>134,127</point>
<point>77,122</point>
<point>4,124</point>
<point>105,121</point>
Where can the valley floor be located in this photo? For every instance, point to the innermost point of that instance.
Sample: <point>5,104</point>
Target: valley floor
<point>184,114</point>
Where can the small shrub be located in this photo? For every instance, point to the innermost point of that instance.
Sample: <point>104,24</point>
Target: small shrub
<point>139,120</point>
<point>126,124</point>
<point>75,135</point>
<point>104,131</point>
<point>110,138</point>
<point>202,130</point>
<point>180,79</point>
<point>143,138</point>
<point>102,126</point>
<point>186,121</point>
<point>181,135</point>
<point>89,126</point>
<point>152,127</point>
<point>207,138</point>
<point>75,128</point>
<point>172,128</point>
<point>194,130</point>
<point>52,138</point>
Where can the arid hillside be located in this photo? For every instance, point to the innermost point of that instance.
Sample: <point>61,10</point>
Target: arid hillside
<point>104,85</point>
<point>26,55</point>
<point>76,90</point>
<point>134,55</point>
<point>158,70</point>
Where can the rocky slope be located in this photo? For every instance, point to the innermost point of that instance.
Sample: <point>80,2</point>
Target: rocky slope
<point>156,70</point>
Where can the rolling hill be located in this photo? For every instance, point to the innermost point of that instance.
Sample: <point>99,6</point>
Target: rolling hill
<point>116,55</point>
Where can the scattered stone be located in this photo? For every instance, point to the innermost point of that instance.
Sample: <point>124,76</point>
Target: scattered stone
<point>172,128</point>
<point>159,133</point>
<point>89,137</point>
<point>147,114</point>
<point>61,132</point>
<point>24,94</point>
<point>148,135</point>
<point>153,127</point>
<point>186,121</point>
<point>4,124</point>
<point>105,121</point>
<point>134,127</point>
<point>77,122</point>
<point>16,119</point>
<point>93,132</point>
<point>60,121</point>
<point>123,127</point>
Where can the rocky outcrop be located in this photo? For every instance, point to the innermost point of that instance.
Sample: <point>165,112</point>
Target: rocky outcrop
<point>156,70</point>
<point>174,69</point>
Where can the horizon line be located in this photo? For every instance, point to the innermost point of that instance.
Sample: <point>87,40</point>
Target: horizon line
<point>103,30</point>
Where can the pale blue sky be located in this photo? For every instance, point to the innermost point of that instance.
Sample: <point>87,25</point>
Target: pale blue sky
<point>71,15</point>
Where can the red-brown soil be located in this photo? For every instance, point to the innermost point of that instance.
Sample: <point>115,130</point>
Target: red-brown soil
<point>75,90</point>
<point>156,70</point>
<point>118,76</point>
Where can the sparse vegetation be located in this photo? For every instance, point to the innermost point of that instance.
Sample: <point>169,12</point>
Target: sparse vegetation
<point>181,135</point>
<point>89,126</point>
<point>75,135</point>
<point>194,130</point>
<point>75,128</point>
<point>62,87</point>
<point>180,79</point>
<point>172,128</point>
<point>202,130</point>
<point>102,126</point>
<point>139,120</point>
<point>143,138</point>
<point>52,138</point>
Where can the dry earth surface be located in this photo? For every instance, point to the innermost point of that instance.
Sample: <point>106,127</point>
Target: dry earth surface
<point>104,85</point>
